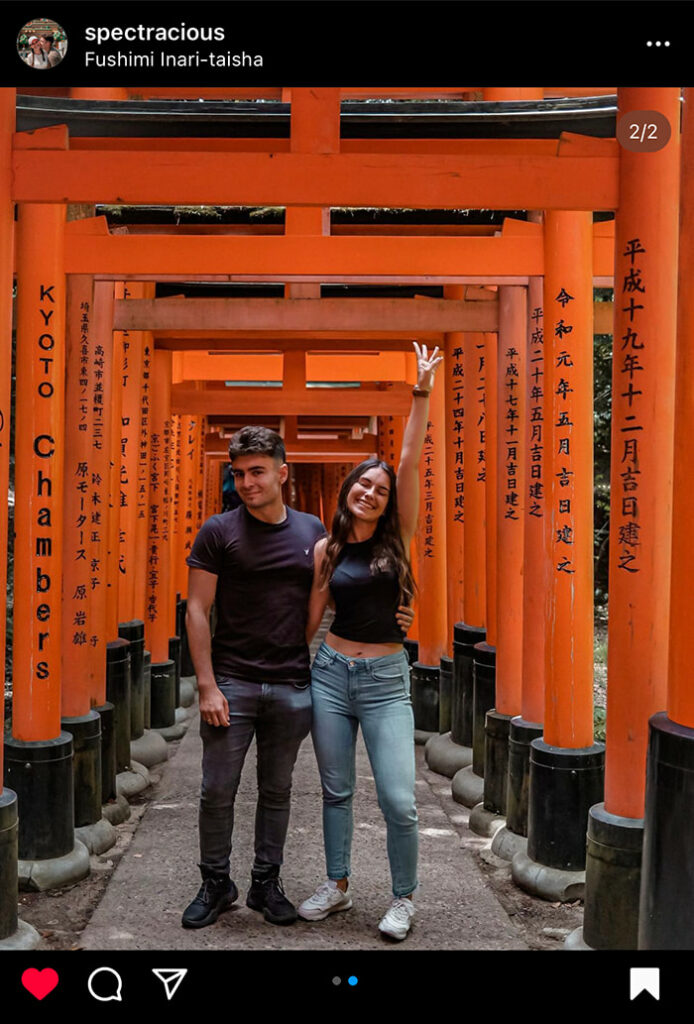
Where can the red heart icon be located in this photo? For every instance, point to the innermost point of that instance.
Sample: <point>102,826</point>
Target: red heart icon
<point>39,983</point>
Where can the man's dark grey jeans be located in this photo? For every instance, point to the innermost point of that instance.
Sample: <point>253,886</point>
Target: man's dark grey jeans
<point>280,716</point>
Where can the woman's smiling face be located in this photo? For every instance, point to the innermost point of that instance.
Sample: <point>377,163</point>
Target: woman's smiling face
<point>368,496</point>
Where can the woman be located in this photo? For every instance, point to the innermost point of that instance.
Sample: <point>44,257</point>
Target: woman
<point>36,58</point>
<point>360,675</point>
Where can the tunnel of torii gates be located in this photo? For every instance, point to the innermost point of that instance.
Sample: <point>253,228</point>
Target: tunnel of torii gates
<point>121,424</point>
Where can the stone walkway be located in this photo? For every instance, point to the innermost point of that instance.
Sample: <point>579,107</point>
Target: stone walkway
<point>157,876</point>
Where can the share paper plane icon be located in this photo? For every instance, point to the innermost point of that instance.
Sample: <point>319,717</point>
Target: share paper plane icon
<point>170,979</point>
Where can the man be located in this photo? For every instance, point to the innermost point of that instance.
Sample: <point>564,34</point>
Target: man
<point>51,52</point>
<point>256,564</point>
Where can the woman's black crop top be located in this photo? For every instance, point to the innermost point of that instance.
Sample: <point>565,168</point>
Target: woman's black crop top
<point>365,604</point>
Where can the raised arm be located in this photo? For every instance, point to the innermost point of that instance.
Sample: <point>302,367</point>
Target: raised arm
<point>413,441</point>
<point>319,596</point>
<point>202,587</point>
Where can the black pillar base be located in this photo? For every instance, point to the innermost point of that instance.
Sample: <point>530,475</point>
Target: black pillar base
<point>464,639</point>
<point>86,766</point>
<point>175,656</point>
<point>108,751</point>
<point>163,699</point>
<point>445,691</point>
<point>118,693</point>
<point>8,863</point>
<point>521,734</point>
<point>666,920</point>
<point>411,650</point>
<point>40,773</point>
<point>187,667</point>
<point>425,697</point>
<point>564,785</point>
<point>613,880</point>
<point>483,700</point>
<point>147,686</point>
<point>496,761</point>
<point>134,633</point>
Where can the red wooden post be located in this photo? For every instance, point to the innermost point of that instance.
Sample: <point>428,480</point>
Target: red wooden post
<point>39,755</point>
<point>558,809</point>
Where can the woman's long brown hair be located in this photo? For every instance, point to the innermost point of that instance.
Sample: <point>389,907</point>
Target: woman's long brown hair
<point>389,551</point>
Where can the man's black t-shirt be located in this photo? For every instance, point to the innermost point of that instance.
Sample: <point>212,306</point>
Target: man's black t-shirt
<point>264,571</point>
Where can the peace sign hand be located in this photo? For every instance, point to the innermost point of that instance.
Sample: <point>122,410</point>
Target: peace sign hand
<point>426,366</point>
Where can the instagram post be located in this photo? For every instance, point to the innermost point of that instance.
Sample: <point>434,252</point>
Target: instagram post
<point>344,384</point>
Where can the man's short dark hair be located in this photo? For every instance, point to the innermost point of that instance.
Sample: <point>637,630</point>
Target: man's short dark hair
<point>257,441</point>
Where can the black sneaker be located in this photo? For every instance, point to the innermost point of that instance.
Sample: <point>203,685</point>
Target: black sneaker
<point>216,895</point>
<point>266,895</point>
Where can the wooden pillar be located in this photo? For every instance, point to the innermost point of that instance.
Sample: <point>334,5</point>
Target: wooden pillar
<point>475,433</point>
<point>666,883</point>
<point>133,446</point>
<point>509,569</point>
<point>43,787</point>
<point>558,809</point>
<point>526,727</point>
<point>431,556</point>
<point>535,567</point>
<point>190,432</point>
<point>468,783</point>
<point>158,617</point>
<point>511,498</point>
<point>472,441</point>
<point>491,487</point>
<point>84,547</point>
<point>9,922</point>
<point>143,480</point>
<point>455,402</point>
<point>113,559</point>
<point>39,447</point>
<point>83,639</point>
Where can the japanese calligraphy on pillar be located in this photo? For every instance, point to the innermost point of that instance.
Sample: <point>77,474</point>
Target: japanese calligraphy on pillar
<point>156,488</point>
<point>189,438</point>
<point>125,443</point>
<point>175,493</point>
<point>143,452</point>
<point>481,415</point>
<point>536,414</point>
<point>429,461</point>
<point>456,371</point>
<point>512,432</point>
<point>630,362</point>
<point>564,380</point>
<point>85,481</point>
<point>200,479</point>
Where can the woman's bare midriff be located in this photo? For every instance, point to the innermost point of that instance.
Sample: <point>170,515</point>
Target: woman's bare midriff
<point>355,649</point>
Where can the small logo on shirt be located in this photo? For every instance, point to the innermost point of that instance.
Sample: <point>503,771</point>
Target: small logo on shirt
<point>306,550</point>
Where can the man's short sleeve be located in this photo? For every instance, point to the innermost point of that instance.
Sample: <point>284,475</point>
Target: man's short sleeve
<point>208,548</point>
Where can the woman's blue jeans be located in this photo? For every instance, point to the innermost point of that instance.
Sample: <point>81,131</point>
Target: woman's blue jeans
<point>373,693</point>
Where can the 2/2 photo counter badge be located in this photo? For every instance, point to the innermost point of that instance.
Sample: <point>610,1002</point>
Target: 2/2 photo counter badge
<point>42,43</point>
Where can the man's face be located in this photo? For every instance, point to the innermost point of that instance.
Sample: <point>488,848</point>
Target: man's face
<point>258,479</point>
<point>45,43</point>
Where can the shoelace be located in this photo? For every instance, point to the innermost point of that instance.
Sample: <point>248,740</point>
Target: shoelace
<point>323,890</point>
<point>205,893</point>
<point>399,910</point>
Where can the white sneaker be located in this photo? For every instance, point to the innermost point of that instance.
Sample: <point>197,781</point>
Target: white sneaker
<point>397,919</point>
<point>327,899</point>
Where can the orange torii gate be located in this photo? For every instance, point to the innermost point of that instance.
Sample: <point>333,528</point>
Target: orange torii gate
<point>573,175</point>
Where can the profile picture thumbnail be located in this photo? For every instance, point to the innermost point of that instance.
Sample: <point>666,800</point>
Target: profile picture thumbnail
<point>42,43</point>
